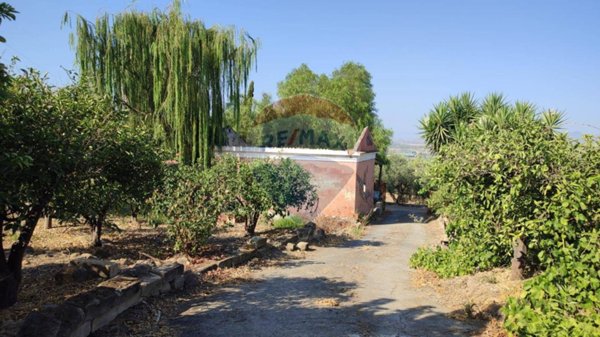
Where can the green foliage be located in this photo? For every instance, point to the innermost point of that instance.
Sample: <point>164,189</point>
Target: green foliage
<point>174,74</point>
<point>404,177</point>
<point>448,120</point>
<point>304,131</point>
<point>120,169</point>
<point>7,12</point>
<point>264,186</point>
<point>564,300</point>
<point>289,222</point>
<point>55,143</point>
<point>509,175</point>
<point>192,199</point>
<point>350,88</point>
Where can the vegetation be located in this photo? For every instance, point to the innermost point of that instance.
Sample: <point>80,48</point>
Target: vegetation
<point>404,177</point>
<point>172,73</point>
<point>289,222</point>
<point>449,119</point>
<point>245,190</point>
<point>59,148</point>
<point>509,176</point>
<point>349,87</point>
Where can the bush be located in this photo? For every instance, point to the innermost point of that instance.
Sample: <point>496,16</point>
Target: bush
<point>192,199</point>
<point>521,180</point>
<point>289,222</point>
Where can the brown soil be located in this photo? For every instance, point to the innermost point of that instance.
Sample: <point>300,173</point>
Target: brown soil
<point>51,250</point>
<point>476,297</point>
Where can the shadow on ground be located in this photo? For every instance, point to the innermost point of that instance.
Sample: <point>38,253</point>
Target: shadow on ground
<point>304,306</point>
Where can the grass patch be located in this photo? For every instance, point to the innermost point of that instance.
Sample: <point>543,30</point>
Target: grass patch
<point>289,222</point>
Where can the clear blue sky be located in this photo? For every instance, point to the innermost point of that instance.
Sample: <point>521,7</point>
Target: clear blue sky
<point>419,52</point>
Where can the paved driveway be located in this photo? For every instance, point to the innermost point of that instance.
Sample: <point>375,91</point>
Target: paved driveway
<point>362,288</point>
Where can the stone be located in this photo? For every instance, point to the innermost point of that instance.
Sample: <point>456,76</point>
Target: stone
<point>137,270</point>
<point>178,283</point>
<point>39,324</point>
<point>302,246</point>
<point>151,285</point>
<point>169,271</point>
<point>129,293</point>
<point>191,280</point>
<point>95,302</point>
<point>290,246</point>
<point>319,234</point>
<point>102,268</point>
<point>71,318</point>
<point>257,242</point>
<point>74,274</point>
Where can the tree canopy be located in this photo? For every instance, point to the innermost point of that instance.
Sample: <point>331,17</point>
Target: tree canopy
<point>349,87</point>
<point>172,72</point>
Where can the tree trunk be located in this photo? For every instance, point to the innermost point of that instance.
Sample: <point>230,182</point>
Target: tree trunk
<point>518,262</point>
<point>96,234</point>
<point>11,268</point>
<point>251,222</point>
<point>49,222</point>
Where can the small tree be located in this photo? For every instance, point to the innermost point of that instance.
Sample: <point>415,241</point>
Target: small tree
<point>272,186</point>
<point>191,199</point>
<point>44,135</point>
<point>123,169</point>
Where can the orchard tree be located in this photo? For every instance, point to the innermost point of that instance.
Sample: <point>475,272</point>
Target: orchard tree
<point>121,171</point>
<point>276,187</point>
<point>172,73</point>
<point>44,135</point>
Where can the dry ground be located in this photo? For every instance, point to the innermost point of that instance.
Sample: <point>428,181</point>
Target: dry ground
<point>475,297</point>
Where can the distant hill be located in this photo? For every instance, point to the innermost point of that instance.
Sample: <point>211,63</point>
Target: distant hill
<point>409,147</point>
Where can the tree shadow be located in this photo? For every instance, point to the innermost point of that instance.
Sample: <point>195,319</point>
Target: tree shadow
<point>402,214</point>
<point>301,306</point>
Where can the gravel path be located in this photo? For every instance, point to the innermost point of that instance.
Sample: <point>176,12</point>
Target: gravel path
<point>362,288</point>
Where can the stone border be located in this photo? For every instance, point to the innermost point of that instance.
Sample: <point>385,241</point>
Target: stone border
<point>87,312</point>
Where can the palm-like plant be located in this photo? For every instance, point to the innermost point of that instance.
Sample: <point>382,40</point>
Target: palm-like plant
<point>437,127</point>
<point>450,119</point>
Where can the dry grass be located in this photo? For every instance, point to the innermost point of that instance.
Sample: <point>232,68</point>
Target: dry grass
<point>474,297</point>
<point>327,302</point>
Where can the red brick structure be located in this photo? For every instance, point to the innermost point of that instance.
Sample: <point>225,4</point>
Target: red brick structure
<point>344,178</point>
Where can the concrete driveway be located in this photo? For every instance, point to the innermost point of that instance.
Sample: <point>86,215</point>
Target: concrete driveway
<point>362,288</point>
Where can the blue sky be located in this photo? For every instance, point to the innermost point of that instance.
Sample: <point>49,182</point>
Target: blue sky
<point>418,52</point>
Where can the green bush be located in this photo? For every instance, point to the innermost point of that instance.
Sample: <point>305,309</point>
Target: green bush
<point>192,198</point>
<point>289,222</point>
<point>514,177</point>
<point>565,299</point>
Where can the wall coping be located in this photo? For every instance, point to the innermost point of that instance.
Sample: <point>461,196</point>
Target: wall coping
<point>298,154</point>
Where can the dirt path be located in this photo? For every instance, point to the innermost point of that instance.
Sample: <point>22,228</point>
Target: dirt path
<point>362,288</point>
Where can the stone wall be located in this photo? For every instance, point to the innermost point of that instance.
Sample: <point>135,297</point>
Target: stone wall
<point>87,312</point>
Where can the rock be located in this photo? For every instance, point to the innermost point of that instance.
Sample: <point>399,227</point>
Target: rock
<point>191,280</point>
<point>304,234</point>
<point>74,274</point>
<point>178,283</point>
<point>151,285</point>
<point>169,272</point>
<point>319,234</point>
<point>257,242</point>
<point>39,324</point>
<point>102,268</point>
<point>123,261</point>
<point>138,270</point>
<point>311,225</point>
<point>290,246</point>
<point>303,246</point>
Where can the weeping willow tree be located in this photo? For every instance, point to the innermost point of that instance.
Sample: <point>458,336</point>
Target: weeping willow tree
<point>172,73</point>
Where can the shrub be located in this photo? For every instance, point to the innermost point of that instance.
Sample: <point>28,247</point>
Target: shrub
<point>289,222</point>
<point>519,179</point>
